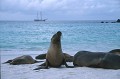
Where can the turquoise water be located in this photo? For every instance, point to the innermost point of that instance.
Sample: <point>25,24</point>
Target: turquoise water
<point>35,36</point>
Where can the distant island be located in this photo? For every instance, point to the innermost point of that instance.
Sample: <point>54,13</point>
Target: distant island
<point>118,21</point>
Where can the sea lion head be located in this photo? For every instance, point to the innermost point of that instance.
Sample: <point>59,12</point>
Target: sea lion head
<point>56,37</point>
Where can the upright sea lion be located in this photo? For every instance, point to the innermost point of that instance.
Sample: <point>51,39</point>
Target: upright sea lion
<point>54,56</point>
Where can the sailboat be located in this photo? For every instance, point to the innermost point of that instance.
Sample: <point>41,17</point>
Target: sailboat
<point>37,19</point>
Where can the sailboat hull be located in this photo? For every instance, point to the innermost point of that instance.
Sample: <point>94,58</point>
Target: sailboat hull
<point>39,20</point>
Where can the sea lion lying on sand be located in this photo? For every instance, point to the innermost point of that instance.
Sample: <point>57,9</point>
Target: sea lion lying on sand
<point>115,51</point>
<point>25,59</point>
<point>54,56</point>
<point>94,59</point>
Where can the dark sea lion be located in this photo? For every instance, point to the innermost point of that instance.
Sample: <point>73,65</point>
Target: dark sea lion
<point>110,61</point>
<point>54,56</point>
<point>41,56</point>
<point>96,59</point>
<point>68,57</point>
<point>115,51</point>
<point>25,59</point>
<point>86,58</point>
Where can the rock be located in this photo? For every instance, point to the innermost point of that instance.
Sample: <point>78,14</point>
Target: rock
<point>118,21</point>
<point>102,22</point>
<point>113,22</point>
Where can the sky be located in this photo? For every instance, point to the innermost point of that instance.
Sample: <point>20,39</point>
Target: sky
<point>60,9</point>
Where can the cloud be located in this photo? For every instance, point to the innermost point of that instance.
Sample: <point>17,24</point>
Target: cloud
<point>62,8</point>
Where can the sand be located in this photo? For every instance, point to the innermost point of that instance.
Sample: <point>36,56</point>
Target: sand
<point>26,71</point>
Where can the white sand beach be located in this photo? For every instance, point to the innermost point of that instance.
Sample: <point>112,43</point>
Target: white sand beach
<point>26,71</point>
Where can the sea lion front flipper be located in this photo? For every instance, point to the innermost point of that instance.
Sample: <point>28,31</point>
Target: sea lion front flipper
<point>67,65</point>
<point>43,67</point>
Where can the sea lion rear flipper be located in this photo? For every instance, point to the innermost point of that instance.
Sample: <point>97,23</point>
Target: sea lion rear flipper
<point>9,61</point>
<point>41,67</point>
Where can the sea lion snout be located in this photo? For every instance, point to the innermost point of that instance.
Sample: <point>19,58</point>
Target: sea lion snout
<point>56,37</point>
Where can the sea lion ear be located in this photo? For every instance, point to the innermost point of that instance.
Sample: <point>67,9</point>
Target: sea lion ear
<point>59,33</point>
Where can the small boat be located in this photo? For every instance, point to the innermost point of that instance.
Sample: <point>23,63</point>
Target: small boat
<point>37,19</point>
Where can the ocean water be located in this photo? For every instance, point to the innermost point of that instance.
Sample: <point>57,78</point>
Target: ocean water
<point>76,35</point>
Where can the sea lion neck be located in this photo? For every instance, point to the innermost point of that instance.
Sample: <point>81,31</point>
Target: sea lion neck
<point>56,41</point>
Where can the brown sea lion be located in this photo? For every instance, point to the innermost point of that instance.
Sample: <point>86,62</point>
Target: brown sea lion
<point>25,59</point>
<point>110,61</point>
<point>54,56</point>
<point>68,57</point>
<point>97,59</point>
<point>87,58</point>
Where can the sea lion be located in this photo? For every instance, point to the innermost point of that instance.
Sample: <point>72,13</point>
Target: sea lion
<point>54,56</point>
<point>68,57</point>
<point>41,56</point>
<point>87,58</point>
<point>115,51</point>
<point>110,61</point>
<point>96,59</point>
<point>25,59</point>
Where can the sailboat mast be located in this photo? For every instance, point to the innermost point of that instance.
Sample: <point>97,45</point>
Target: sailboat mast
<point>37,15</point>
<point>41,15</point>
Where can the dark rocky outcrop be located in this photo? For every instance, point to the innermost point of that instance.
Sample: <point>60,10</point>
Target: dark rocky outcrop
<point>118,21</point>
